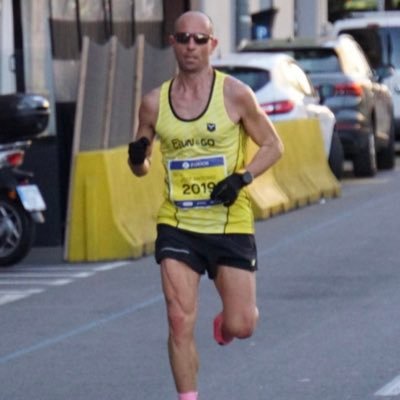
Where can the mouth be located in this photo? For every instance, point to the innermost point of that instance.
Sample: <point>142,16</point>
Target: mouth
<point>190,58</point>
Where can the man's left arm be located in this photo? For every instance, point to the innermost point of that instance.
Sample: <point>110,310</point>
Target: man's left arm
<point>243,108</point>
<point>261,130</point>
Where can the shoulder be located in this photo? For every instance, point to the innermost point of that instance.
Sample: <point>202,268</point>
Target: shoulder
<point>238,96</point>
<point>149,106</point>
<point>151,100</point>
<point>236,91</point>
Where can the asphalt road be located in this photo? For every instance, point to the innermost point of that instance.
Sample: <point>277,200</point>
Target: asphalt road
<point>328,293</point>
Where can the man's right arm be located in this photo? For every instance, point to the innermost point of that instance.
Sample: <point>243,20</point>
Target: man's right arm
<point>140,149</point>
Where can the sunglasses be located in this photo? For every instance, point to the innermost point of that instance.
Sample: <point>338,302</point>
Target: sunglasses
<point>199,38</point>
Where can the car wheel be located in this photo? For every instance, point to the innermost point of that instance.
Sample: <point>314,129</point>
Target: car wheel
<point>336,156</point>
<point>386,158</point>
<point>364,162</point>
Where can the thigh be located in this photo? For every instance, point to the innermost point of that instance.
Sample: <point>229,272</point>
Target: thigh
<point>237,289</point>
<point>180,286</point>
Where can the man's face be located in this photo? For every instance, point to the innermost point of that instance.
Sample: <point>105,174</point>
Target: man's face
<point>193,43</point>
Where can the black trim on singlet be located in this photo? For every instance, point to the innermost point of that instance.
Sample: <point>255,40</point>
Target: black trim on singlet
<point>205,109</point>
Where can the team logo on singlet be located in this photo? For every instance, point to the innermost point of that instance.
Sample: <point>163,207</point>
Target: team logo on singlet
<point>211,127</point>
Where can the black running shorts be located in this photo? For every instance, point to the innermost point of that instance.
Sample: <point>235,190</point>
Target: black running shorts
<point>205,252</point>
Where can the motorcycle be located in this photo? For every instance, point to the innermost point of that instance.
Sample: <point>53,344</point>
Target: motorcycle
<point>21,202</point>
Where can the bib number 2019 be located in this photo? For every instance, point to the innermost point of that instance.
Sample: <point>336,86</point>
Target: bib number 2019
<point>197,188</point>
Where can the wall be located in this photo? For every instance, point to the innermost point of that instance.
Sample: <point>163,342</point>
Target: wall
<point>284,19</point>
<point>312,18</point>
<point>7,77</point>
<point>294,18</point>
<point>224,22</point>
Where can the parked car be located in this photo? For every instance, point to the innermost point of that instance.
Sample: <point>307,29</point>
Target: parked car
<point>285,92</point>
<point>363,106</point>
<point>378,34</point>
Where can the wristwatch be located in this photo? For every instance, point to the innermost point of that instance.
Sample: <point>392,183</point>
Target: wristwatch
<point>247,177</point>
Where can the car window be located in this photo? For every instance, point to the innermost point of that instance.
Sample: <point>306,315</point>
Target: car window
<point>370,43</point>
<point>254,77</point>
<point>317,60</point>
<point>380,44</point>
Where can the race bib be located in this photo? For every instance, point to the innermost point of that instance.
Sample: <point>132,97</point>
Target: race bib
<point>192,180</point>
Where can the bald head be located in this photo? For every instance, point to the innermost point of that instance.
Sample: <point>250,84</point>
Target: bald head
<point>194,19</point>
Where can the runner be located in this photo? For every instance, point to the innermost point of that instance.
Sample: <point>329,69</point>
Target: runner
<point>203,119</point>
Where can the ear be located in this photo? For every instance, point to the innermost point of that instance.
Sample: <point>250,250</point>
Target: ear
<point>214,43</point>
<point>171,40</point>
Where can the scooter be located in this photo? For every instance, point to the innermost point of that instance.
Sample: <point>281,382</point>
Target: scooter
<point>21,202</point>
<point>21,205</point>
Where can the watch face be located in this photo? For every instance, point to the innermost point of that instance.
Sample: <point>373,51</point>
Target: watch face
<point>247,177</point>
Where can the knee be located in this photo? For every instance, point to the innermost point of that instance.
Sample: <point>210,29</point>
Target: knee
<point>181,326</point>
<point>242,326</point>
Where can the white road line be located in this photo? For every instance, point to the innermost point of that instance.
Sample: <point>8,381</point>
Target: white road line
<point>56,282</point>
<point>114,265</point>
<point>45,275</point>
<point>42,276</point>
<point>46,269</point>
<point>8,296</point>
<point>391,389</point>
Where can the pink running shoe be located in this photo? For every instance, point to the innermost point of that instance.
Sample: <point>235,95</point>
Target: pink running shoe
<point>218,331</point>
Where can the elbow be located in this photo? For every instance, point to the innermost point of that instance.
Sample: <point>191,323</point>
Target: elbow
<point>137,170</point>
<point>280,149</point>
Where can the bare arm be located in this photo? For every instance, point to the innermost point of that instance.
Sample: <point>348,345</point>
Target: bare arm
<point>148,113</point>
<point>242,106</point>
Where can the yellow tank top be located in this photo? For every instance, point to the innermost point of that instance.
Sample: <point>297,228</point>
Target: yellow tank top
<point>198,153</point>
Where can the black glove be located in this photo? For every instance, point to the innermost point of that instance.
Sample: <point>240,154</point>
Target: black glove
<point>227,190</point>
<point>137,151</point>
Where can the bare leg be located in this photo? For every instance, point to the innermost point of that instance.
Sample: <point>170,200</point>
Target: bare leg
<point>237,289</point>
<point>180,286</point>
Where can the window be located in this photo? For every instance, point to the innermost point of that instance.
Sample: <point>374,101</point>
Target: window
<point>254,77</point>
<point>317,60</point>
<point>380,44</point>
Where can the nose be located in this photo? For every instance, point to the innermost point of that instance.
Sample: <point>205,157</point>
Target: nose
<point>191,42</point>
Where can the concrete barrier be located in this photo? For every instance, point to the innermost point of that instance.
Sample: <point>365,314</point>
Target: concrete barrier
<point>266,195</point>
<point>303,172</point>
<point>113,214</point>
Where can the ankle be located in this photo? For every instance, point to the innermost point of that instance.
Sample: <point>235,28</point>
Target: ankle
<point>187,396</point>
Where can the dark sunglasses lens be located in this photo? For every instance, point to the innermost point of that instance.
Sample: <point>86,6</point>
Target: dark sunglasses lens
<point>182,37</point>
<point>200,38</point>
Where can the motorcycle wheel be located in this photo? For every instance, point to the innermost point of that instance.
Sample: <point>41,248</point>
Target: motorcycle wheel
<point>17,231</point>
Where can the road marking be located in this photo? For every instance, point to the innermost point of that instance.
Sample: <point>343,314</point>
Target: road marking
<point>8,296</point>
<point>391,389</point>
<point>110,266</point>
<point>56,282</point>
<point>46,269</point>
<point>46,276</point>
<point>92,325</point>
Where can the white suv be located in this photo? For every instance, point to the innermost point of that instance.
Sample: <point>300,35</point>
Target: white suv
<point>379,36</point>
<point>285,93</point>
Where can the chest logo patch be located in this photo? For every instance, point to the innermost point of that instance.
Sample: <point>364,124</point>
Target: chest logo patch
<point>211,127</point>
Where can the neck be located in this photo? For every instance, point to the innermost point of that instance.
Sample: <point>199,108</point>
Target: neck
<point>195,80</point>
